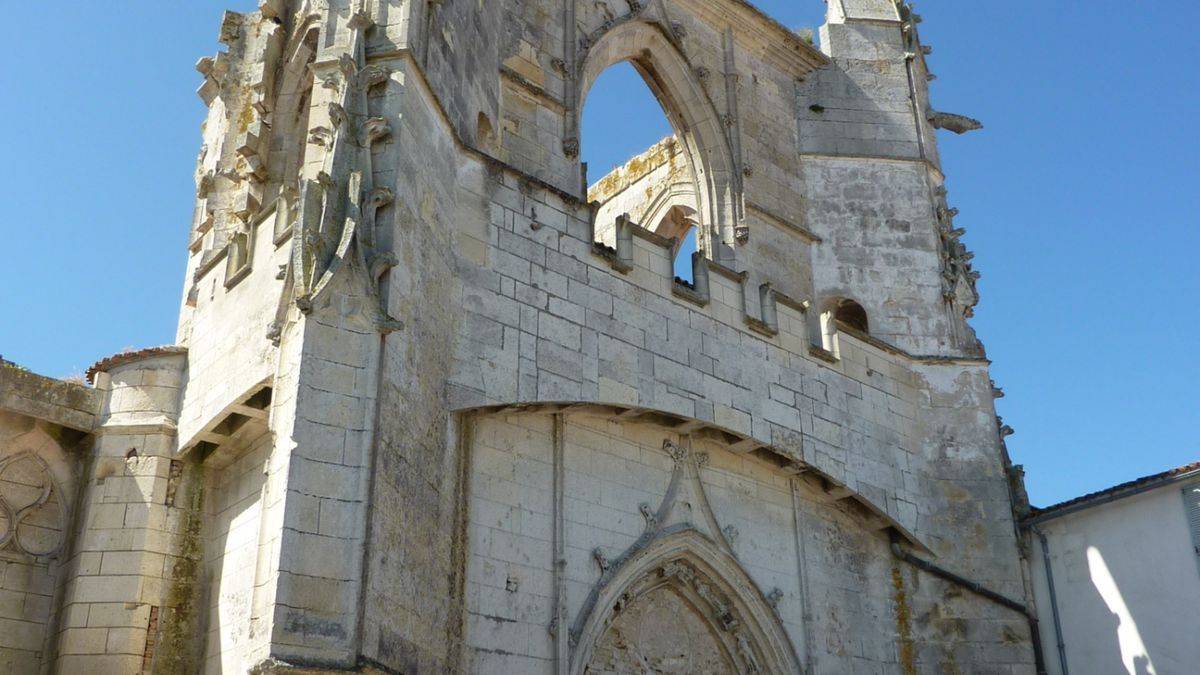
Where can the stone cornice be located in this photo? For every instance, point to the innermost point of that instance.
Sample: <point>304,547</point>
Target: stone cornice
<point>66,404</point>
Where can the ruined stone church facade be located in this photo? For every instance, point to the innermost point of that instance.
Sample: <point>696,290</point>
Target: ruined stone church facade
<point>437,406</point>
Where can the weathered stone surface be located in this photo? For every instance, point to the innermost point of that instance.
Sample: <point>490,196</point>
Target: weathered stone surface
<point>65,404</point>
<point>433,411</point>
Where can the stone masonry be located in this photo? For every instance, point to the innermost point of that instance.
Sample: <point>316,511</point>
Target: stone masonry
<point>438,405</point>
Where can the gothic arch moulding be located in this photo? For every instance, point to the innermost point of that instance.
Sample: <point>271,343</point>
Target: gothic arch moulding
<point>678,601</point>
<point>692,115</point>
<point>671,211</point>
<point>682,605</point>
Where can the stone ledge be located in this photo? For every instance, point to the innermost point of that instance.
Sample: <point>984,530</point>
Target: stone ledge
<point>873,515</point>
<point>272,666</point>
<point>67,404</point>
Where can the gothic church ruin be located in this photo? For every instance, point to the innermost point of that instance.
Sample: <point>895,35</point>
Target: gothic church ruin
<point>438,405</point>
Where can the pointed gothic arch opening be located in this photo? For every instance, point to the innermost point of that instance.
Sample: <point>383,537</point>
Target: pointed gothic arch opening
<point>852,314</point>
<point>703,175</point>
<point>682,605</point>
<point>294,105</point>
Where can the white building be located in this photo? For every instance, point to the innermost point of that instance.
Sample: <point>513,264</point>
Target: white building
<point>1116,577</point>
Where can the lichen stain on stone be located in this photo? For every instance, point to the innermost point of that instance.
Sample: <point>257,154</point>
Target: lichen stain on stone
<point>948,666</point>
<point>903,624</point>
<point>178,649</point>
<point>661,153</point>
<point>957,495</point>
<point>245,118</point>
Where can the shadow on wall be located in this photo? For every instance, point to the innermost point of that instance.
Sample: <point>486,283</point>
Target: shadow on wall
<point>233,514</point>
<point>1134,656</point>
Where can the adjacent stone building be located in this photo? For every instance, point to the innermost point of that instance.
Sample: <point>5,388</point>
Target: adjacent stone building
<point>435,406</point>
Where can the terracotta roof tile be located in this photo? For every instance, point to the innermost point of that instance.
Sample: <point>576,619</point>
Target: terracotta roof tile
<point>103,365</point>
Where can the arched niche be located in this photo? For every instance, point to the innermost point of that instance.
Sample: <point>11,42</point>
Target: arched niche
<point>688,108</point>
<point>681,604</point>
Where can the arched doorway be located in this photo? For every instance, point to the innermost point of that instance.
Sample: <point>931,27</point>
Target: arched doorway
<point>681,605</point>
<point>667,627</point>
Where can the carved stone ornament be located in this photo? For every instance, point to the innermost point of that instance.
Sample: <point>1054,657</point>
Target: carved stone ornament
<point>775,597</point>
<point>649,515</point>
<point>372,76</point>
<point>32,512</point>
<point>321,136</point>
<point>375,130</point>
<point>958,275</point>
<point>601,560</point>
<point>338,212</point>
<point>959,124</point>
<point>337,115</point>
<point>677,601</point>
<point>675,451</point>
<point>683,616</point>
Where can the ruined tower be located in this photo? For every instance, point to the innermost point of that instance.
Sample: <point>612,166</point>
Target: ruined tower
<point>437,406</point>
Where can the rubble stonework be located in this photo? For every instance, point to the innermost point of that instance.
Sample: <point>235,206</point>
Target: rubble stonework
<point>431,410</point>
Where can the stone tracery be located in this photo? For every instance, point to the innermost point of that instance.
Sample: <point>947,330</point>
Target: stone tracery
<point>31,508</point>
<point>678,601</point>
<point>680,616</point>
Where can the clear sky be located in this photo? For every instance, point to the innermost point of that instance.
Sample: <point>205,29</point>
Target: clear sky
<point>1079,198</point>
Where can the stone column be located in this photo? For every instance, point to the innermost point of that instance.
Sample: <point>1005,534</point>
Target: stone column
<point>128,599</point>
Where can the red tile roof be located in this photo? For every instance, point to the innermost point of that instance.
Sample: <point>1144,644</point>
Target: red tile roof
<point>103,365</point>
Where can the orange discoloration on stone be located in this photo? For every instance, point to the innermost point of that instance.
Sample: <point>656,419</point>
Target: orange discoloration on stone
<point>903,624</point>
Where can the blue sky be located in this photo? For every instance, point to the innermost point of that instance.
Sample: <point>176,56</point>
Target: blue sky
<point>1080,201</point>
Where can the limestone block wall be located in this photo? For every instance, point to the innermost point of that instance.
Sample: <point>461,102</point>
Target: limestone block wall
<point>233,545</point>
<point>881,248</point>
<point>784,533</point>
<point>739,62</point>
<point>322,484</point>
<point>695,361</point>
<point>862,106</point>
<point>438,232</point>
<point>401,241</point>
<point>39,484</point>
<point>133,564</point>
<point>227,329</point>
<point>547,318</point>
